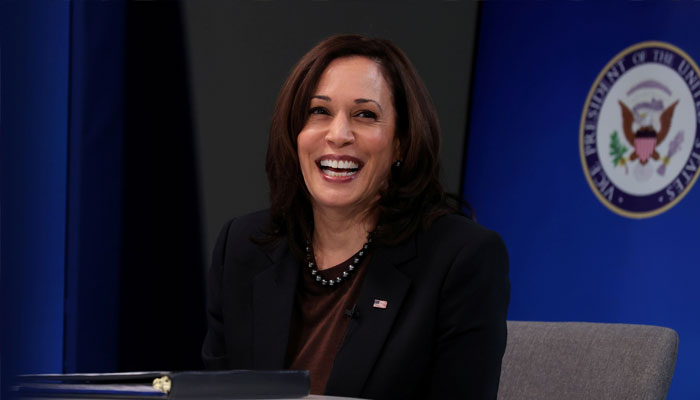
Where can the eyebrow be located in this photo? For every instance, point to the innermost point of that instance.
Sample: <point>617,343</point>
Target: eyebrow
<point>360,101</point>
<point>357,101</point>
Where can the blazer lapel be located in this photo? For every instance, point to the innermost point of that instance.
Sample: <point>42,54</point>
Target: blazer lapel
<point>367,333</point>
<point>273,299</point>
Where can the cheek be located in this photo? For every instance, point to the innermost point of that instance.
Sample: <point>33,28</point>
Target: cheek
<point>304,146</point>
<point>301,142</point>
<point>310,138</point>
<point>384,147</point>
<point>383,157</point>
<point>308,148</point>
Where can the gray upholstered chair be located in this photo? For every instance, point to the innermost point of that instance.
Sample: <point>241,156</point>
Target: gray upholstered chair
<point>579,360</point>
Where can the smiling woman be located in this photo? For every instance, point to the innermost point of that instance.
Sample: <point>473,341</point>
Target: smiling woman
<point>361,272</point>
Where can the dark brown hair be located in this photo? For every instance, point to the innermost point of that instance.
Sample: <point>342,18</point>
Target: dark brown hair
<point>413,197</point>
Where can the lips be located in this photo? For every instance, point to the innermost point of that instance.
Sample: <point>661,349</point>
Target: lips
<point>336,166</point>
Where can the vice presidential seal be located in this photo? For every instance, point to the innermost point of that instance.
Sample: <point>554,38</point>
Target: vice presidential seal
<point>639,141</point>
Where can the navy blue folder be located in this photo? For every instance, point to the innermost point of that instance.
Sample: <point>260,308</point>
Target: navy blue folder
<point>209,385</point>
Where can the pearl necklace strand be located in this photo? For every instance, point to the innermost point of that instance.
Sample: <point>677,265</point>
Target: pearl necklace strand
<point>356,260</point>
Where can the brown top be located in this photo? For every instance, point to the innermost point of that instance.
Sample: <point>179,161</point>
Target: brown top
<point>319,321</point>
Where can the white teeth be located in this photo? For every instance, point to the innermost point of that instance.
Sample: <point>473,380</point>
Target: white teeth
<point>347,165</point>
<point>342,164</point>
<point>329,163</point>
<point>334,174</point>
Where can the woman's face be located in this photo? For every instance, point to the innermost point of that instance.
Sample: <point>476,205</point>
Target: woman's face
<point>348,143</point>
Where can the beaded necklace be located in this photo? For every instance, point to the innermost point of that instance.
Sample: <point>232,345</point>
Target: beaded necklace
<point>356,260</point>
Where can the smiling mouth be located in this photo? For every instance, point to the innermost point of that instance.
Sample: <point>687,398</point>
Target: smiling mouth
<point>338,168</point>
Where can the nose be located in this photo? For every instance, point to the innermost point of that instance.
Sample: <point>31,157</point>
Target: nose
<point>340,131</point>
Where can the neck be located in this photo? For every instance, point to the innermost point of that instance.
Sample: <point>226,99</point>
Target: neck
<point>338,235</point>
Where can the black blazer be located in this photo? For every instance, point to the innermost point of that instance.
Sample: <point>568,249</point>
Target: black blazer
<point>442,334</point>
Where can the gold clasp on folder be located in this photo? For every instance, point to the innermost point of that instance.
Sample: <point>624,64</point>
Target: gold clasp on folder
<point>162,384</point>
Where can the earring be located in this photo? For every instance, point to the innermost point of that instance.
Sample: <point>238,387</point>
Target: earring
<point>397,163</point>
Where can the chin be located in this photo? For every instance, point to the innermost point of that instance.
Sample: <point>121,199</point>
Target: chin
<point>338,204</point>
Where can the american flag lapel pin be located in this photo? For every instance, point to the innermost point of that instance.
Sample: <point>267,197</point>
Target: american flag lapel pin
<point>380,304</point>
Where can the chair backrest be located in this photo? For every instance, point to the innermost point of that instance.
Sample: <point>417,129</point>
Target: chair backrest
<point>580,360</point>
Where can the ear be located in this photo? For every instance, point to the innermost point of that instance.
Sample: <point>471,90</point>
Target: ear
<point>397,149</point>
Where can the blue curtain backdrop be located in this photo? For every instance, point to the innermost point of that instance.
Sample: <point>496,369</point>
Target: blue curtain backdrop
<point>99,215</point>
<point>573,259</point>
<point>61,131</point>
<point>34,70</point>
<point>94,209</point>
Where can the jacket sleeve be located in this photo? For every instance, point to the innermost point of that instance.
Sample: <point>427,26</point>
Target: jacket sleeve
<point>471,335</point>
<point>214,347</point>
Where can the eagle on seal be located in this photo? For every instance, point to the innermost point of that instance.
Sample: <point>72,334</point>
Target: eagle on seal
<point>646,138</point>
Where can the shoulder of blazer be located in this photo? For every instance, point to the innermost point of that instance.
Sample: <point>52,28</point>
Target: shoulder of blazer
<point>456,231</point>
<point>238,245</point>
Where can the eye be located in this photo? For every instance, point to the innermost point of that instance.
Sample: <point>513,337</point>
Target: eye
<point>367,114</point>
<point>318,111</point>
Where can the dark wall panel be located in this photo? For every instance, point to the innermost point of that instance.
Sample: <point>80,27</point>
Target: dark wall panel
<point>162,300</point>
